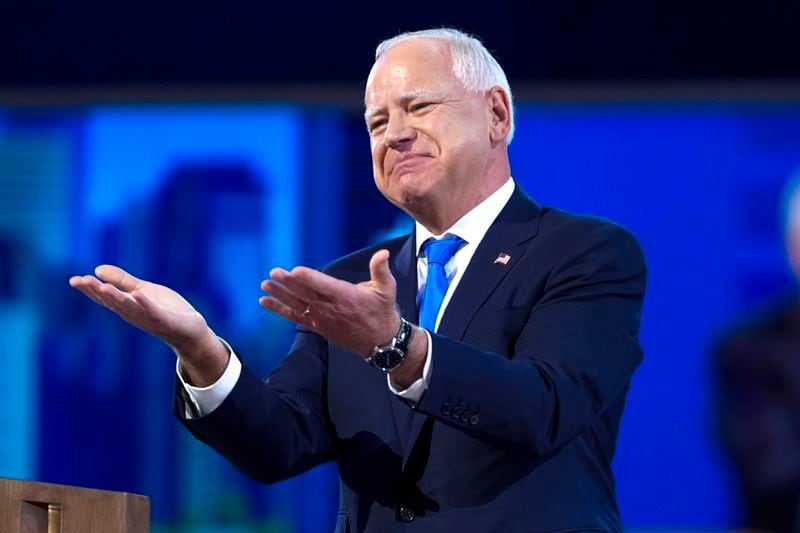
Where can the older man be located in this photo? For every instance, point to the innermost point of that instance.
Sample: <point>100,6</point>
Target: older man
<point>758,372</point>
<point>500,336</point>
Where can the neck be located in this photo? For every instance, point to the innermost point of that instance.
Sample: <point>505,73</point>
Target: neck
<point>439,216</point>
<point>440,211</point>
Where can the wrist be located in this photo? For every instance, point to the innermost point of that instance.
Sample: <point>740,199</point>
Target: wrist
<point>394,328</point>
<point>204,360</point>
<point>387,357</point>
<point>412,367</point>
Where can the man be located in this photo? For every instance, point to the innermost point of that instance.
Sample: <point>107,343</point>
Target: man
<point>759,383</point>
<point>500,410</point>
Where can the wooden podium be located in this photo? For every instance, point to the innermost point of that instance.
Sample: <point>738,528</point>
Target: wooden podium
<point>32,507</point>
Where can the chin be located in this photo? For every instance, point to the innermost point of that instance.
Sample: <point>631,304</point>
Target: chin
<point>410,189</point>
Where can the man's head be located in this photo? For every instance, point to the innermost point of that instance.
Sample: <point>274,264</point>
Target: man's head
<point>791,221</point>
<point>439,114</point>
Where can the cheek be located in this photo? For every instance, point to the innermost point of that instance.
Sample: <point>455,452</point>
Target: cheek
<point>466,146</point>
<point>378,155</point>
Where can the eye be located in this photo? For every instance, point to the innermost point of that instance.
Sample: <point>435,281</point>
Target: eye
<point>420,106</point>
<point>375,125</point>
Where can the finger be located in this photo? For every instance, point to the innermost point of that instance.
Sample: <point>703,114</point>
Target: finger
<point>280,309</point>
<point>120,302</point>
<point>81,281</point>
<point>116,309</point>
<point>281,293</point>
<point>302,282</point>
<point>117,277</point>
<point>92,290</point>
<point>379,271</point>
<point>84,284</point>
<point>90,286</point>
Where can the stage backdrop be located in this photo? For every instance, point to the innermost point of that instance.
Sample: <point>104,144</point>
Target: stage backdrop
<point>208,198</point>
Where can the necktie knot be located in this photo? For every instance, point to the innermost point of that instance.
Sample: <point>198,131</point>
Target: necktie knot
<point>440,251</point>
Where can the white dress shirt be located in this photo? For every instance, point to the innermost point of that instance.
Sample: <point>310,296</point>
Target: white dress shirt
<point>472,227</point>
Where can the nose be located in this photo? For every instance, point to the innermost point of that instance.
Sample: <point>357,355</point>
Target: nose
<point>399,133</point>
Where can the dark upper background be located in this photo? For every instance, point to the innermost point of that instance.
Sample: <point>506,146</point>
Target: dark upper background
<point>63,43</point>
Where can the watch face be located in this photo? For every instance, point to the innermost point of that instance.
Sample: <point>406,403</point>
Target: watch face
<point>388,358</point>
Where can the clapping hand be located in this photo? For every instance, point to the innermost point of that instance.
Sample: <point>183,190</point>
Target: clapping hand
<point>162,312</point>
<point>356,316</point>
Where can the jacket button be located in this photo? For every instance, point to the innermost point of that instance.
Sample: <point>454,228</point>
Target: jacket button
<point>446,407</point>
<point>473,420</point>
<point>406,515</point>
<point>457,410</point>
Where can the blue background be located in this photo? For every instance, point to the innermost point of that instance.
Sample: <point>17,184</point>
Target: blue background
<point>207,198</point>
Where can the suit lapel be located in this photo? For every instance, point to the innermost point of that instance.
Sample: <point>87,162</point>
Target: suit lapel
<point>516,224</point>
<point>404,268</point>
<point>508,235</point>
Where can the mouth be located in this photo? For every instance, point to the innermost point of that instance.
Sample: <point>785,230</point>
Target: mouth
<point>407,163</point>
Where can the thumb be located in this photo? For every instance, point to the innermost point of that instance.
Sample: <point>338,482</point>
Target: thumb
<point>379,270</point>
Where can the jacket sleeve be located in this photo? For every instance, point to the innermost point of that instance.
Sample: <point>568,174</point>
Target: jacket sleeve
<point>570,359</point>
<point>274,429</point>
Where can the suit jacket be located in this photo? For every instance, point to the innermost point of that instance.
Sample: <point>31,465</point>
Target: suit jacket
<point>517,430</point>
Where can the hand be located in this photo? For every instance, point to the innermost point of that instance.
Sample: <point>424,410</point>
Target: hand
<point>356,316</point>
<point>162,312</point>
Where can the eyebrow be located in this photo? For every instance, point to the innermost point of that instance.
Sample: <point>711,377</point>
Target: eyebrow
<point>404,100</point>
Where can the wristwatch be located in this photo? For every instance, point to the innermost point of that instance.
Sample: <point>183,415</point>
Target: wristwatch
<point>387,358</point>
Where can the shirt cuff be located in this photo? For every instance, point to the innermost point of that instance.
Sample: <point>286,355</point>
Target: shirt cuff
<point>205,399</point>
<point>414,391</point>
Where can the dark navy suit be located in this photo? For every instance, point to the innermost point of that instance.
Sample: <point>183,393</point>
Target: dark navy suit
<point>516,432</point>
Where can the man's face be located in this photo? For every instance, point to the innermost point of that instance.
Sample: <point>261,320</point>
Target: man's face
<point>429,135</point>
<point>792,232</point>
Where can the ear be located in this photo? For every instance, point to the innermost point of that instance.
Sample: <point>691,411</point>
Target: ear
<point>499,114</point>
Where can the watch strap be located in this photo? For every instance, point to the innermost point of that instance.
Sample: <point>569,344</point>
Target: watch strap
<point>387,358</point>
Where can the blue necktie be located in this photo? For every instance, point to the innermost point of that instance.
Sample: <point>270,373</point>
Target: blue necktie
<point>438,252</point>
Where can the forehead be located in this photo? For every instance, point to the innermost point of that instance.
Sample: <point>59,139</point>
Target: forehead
<point>419,65</point>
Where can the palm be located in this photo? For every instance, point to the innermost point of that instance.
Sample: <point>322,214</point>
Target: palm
<point>172,309</point>
<point>166,299</point>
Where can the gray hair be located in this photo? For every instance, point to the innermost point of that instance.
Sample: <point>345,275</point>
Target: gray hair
<point>473,65</point>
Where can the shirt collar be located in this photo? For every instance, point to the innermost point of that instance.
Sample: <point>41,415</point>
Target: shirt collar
<point>475,223</point>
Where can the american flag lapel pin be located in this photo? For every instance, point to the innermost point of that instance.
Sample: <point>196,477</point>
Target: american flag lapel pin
<point>502,259</point>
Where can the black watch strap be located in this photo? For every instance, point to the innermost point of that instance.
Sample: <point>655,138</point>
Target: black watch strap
<point>387,358</point>
<point>403,337</point>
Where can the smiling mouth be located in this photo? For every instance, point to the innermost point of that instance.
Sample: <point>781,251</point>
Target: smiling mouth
<point>408,162</point>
